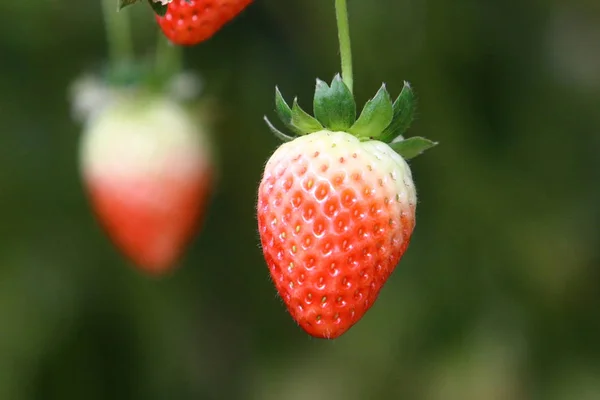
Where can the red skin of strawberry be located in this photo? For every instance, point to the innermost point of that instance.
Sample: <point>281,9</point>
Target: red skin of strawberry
<point>335,217</point>
<point>148,174</point>
<point>188,24</point>
<point>151,233</point>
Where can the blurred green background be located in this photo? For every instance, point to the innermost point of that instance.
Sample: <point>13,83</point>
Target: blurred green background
<point>498,296</point>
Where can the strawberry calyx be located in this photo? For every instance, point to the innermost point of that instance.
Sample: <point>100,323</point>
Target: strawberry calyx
<point>334,109</point>
<point>91,92</point>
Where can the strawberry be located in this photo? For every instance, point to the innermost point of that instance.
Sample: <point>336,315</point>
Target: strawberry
<point>189,22</point>
<point>336,205</point>
<point>148,172</point>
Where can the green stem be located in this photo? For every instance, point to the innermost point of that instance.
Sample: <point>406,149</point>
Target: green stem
<point>118,35</point>
<point>341,12</point>
<point>169,57</point>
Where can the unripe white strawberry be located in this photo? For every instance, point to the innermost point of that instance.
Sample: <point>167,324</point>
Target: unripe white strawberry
<point>148,170</point>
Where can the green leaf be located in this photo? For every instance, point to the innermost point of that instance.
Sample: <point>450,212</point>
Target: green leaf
<point>124,3</point>
<point>404,113</point>
<point>284,112</point>
<point>302,121</point>
<point>158,8</point>
<point>334,106</point>
<point>278,134</point>
<point>412,147</point>
<point>375,116</point>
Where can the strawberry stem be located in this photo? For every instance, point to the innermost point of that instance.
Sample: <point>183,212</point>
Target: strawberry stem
<point>118,35</point>
<point>168,60</point>
<point>341,11</point>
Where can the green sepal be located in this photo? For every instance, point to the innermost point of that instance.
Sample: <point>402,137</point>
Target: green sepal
<point>278,134</point>
<point>334,107</point>
<point>375,116</point>
<point>124,3</point>
<point>404,113</point>
<point>412,147</point>
<point>158,8</point>
<point>302,121</point>
<point>284,112</point>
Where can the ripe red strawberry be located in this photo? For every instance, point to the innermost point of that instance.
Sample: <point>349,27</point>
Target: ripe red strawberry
<point>148,172</point>
<point>336,209</point>
<point>189,23</point>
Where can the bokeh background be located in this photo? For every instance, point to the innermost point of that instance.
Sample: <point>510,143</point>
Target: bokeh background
<point>498,296</point>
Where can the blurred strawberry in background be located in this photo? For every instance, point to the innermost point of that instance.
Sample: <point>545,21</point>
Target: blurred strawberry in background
<point>145,155</point>
<point>148,171</point>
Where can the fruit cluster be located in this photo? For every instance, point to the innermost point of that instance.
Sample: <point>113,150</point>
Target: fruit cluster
<point>336,203</point>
